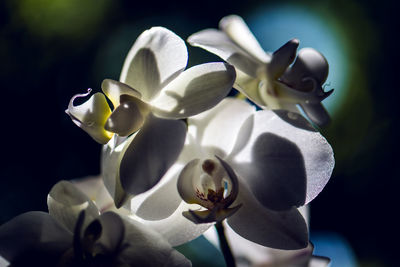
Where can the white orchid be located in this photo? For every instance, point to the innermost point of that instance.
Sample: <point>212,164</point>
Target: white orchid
<point>76,233</point>
<point>153,81</point>
<point>252,168</point>
<point>268,79</point>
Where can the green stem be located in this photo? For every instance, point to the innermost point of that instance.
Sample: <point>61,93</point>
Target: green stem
<point>223,243</point>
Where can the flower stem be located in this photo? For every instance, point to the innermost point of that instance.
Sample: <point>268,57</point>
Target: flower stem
<point>223,243</point>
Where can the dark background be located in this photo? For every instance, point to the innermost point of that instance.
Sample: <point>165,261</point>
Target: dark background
<point>53,49</point>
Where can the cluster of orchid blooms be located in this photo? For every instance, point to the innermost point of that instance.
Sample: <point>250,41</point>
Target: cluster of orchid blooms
<point>179,156</point>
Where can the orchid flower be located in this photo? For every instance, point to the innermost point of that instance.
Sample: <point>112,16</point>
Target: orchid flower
<point>251,168</point>
<point>269,80</point>
<point>74,233</point>
<point>153,81</point>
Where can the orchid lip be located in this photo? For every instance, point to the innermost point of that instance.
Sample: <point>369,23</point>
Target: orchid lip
<point>211,184</point>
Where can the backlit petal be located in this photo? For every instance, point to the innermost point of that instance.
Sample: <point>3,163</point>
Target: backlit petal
<point>219,43</point>
<point>156,57</point>
<point>65,202</point>
<point>195,90</point>
<point>93,187</point>
<point>282,58</point>
<point>238,31</point>
<point>284,165</point>
<point>145,247</point>
<point>160,201</point>
<point>33,238</point>
<point>211,126</point>
<point>111,157</point>
<point>176,228</point>
<point>281,230</point>
<point>150,154</point>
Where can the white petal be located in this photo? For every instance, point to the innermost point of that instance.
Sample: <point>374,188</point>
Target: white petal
<point>4,262</point>
<point>114,89</point>
<point>65,202</point>
<point>156,57</point>
<point>195,90</point>
<point>238,31</point>
<point>219,127</point>
<point>146,247</point>
<point>33,236</point>
<point>282,58</point>
<point>281,230</point>
<point>176,228</point>
<point>93,187</point>
<point>276,152</point>
<point>113,231</point>
<point>217,42</point>
<point>150,154</point>
<point>160,201</point>
<point>258,255</point>
<point>249,86</point>
<point>111,157</point>
<point>91,116</point>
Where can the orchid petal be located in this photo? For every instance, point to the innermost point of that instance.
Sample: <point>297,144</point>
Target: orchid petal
<point>258,255</point>
<point>65,202</point>
<point>195,90</point>
<point>282,58</point>
<point>281,152</point>
<point>150,154</point>
<point>249,86</point>
<point>91,116</point>
<point>146,247</point>
<point>229,114</point>
<point>176,229</point>
<point>161,200</point>
<point>238,31</point>
<point>93,187</point>
<point>111,157</point>
<point>157,56</point>
<point>218,42</point>
<point>113,231</point>
<point>33,237</point>
<point>114,89</point>
<point>281,230</point>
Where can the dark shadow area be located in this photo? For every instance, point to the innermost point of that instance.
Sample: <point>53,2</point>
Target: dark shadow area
<point>276,175</point>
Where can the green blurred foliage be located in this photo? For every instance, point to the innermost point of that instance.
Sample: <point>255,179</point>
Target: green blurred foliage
<point>65,19</point>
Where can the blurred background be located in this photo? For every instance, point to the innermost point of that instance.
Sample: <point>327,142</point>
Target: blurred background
<point>53,49</point>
